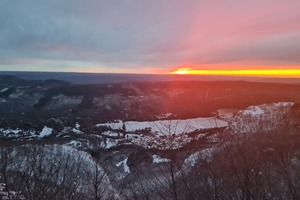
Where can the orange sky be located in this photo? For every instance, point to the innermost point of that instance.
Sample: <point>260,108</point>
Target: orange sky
<point>239,72</point>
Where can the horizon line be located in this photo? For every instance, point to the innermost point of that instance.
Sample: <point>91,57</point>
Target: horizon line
<point>188,72</point>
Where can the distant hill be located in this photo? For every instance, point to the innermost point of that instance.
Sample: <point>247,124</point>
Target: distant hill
<point>40,100</point>
<point>138,137</point>
<point>92,78</point>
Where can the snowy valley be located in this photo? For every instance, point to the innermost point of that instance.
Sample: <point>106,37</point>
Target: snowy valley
<point>96,143</point>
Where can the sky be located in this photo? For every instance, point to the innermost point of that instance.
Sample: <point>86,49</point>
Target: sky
<point>155,36</point>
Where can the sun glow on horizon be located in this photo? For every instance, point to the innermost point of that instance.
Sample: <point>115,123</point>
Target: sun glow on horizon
<point>239,72</point>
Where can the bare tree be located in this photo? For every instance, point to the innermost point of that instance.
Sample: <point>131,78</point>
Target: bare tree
<point>53,172</point>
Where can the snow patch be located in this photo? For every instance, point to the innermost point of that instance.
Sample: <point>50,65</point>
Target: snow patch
<point>11,133</point>
<point>159,142</point>
<point>110,134</point>
<point>254,111</point>
<point>4,90</point>
<point>45,132</point>
<point>77,128</point>
<point>158,159</point>
<point>226,114</point>
<point>165,115</point>
<point>109,143</point>
<point>125,166</point>
<point>77,125</point>
<point>193,159</point>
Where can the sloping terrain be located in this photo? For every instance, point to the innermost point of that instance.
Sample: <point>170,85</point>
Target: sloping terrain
<point>23,101</point>
<point>163,140</point>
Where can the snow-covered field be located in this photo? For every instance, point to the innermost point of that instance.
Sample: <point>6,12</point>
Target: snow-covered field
<point>168,127</point>
<point>161,134</point>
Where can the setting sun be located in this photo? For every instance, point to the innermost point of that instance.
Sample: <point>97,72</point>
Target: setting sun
<point>249,72</point>
<point>181,71</point>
